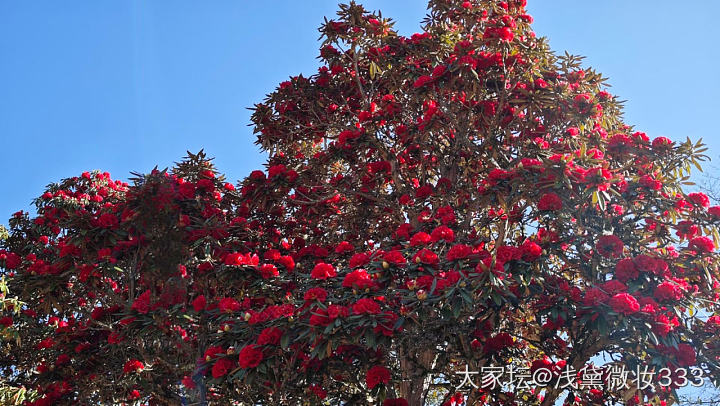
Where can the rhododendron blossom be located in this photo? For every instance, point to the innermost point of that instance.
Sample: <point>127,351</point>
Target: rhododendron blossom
<point>461,196</point>
<point>133,366</point>
<point>377,375</point>
<point>624,303</point>
<point>250,356</point>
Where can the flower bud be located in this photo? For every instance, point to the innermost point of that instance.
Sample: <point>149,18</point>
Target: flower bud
<point>421,294</point>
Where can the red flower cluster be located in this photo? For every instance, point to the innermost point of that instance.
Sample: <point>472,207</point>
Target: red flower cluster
<point>133,366</point>
<point>377,375</point>
<point>624,303</point>
<point>550,201</point>
<point>323,271</point>
<point>609,246</point>
<point>462,188</point>
<point>250,356</point>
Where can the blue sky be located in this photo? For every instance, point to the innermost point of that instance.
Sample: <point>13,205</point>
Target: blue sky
<point>123,86</point>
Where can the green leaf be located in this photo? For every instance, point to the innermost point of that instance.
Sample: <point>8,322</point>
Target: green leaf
<point>497,299</point>
<point>433,286</point>
<point>285,341</point>
<point>456,310</point>
<point>370,338</point>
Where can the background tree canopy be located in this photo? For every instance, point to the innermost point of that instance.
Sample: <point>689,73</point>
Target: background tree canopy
<point>459,198</point>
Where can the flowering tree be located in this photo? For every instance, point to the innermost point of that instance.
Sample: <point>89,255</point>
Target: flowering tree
<point>462,198</point>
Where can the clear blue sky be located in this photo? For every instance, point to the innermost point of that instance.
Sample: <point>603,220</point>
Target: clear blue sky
<point>126,85</point>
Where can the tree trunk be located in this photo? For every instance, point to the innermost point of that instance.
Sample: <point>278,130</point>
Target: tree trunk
<point>414,383</point>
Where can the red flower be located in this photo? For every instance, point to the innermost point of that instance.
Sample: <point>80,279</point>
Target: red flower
<point>702,244</point>
<point>188,382</point>
<point>319,317</point>
<point>318,391</point>
<point>221,367</point>
<point>498,342</point>
<point>502,33</point>
<point>186,190</point>
<point>228,305</point>
<point>318,294</point>
<point>62,359</point>
<point>205,267</point>
<point>108,220</point>
<point>420,238</point>
<point>686,229</point>
<point>142,303</point>
<point>624,303</point>
<point>394,257</point>
<point>199,303</point>
<point>270,336</point>
<point>268,271</point>
<point>133,366</point>
<point>403,231</point>
<point>626,270</point>
<point>206,184</point>
<point>323,271</point>
<point>713,324</point>
<point>442,233</point>
<point>276,170</point>
<point>426,257</point>
<point>648,305</point>
<point>714,211</point>
<point>358,279</point>
<point>662,143</point>
<point>213,352</point>
<point>271,255</point>
<point>668,291</point>
<point>458,252</point>
<point>287,261</point>
<point>366,306</point>
<point>114,338</point>
<point>543,363</point>
<point>334,311</point>
<point>6,321</point>
<point>359,259</point>
<point>250,356</point>
<point>507,253</point>
<point>530,251</point>
<point>422,81</point>
<point>663,325</point>
<point>650,182</point>
<point>550,202</point>
<point>612,287</point>
<point>344,247</point>
<point>685,355</point>
<point>439,71</point>
<point>12,260</point>
<point>609,246</point>
<point>699,199</point>
<point>257,175</point>
<point>377,375</point>
<point>645,263</point>
<point>238,259</point>
<point>424,191</point>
